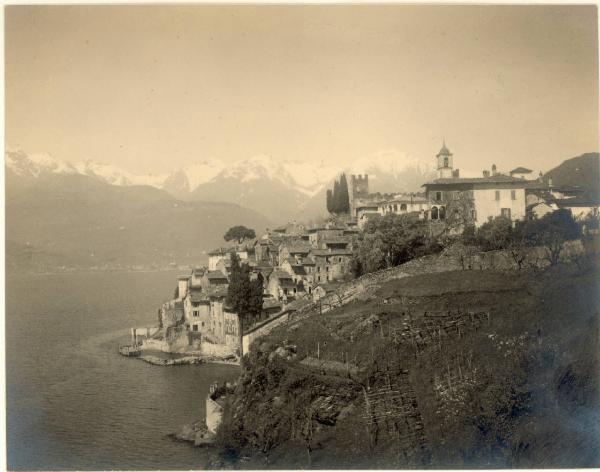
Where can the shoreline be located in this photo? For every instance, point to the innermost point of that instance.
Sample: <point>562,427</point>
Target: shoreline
<point>185,360</point>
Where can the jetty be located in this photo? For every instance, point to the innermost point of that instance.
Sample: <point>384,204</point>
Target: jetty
<point>130,350</point>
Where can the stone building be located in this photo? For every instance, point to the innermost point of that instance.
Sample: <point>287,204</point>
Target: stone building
<point>474,200</point>
<point>405,203</point>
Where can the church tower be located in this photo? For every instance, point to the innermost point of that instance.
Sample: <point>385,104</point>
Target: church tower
<point>444,163</point>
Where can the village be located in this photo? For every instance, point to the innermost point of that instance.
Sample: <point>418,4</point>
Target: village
<point>299,265</point>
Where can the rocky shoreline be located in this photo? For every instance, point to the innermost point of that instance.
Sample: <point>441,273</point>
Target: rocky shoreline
<point>196,433</point>
<point>185,360</point>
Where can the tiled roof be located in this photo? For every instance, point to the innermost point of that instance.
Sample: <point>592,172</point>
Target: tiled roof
<point>270,303</point>
<point>494,179</point>
<point>299,270</point>
<point>341,252</point>
<point>217,291</point>
<point>281,275</point>
<point>299,249</point>
<point>198,297</point>
<point>216,274</point>
<point>330,252</point>
<point>406,199</point>
<point>335,241</point>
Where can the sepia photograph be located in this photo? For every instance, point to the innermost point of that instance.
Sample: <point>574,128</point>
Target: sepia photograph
<point>301,236</point>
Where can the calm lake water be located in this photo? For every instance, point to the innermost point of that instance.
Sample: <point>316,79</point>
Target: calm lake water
<point>72,401</point>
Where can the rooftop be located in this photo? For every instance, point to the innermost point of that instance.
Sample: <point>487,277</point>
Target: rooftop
<point>215,274</point>
<point>493,179</point>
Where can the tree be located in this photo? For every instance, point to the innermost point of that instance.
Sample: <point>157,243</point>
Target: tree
<point>551,232</point>
<point>239,233</point>
<point>244,296</point>
<point>338,200</point>
<point>335,199</point>
<point>344,199</point>
<point>391,240</point>
<point>496,234</point>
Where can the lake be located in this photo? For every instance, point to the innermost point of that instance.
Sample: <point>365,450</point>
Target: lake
<point>72,401</point>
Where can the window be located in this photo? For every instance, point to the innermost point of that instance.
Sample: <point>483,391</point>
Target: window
<point>395,207</point>
<point>434,213</point>
<point>505,212</point>
<point>445,162</point>
<point>497,194</point>
<point>403,207</point>
<point>513,194</point>
<point>438,196</point>
<point>442,213</point>
<point>196,313</point>
<point>326,269</point>
<point>195,327</point>
<point>203,324</point>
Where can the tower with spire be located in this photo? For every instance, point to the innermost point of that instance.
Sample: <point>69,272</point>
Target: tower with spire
<point>444,163</point>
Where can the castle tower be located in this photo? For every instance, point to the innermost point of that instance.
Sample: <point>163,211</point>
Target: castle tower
<point>357,187</point>
<point>444,163</point>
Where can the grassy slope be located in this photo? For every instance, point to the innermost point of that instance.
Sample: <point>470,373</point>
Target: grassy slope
<point>528,395</point>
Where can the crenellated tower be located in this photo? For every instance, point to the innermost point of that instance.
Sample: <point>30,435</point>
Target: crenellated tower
<point>358,187</point>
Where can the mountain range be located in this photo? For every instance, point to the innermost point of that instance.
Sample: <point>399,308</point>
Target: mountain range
<point>279,189</point>
<point>60,219</point>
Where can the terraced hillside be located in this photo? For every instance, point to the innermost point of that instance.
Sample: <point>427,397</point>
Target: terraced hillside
<point>464,368</point>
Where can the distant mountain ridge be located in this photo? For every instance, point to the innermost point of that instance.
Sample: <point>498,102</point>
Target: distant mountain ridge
<point>279,189</point>
<point>74,221</point>
<point>581,171</point>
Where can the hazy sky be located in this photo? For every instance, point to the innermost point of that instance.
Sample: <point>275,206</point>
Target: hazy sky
<point>153,88</point>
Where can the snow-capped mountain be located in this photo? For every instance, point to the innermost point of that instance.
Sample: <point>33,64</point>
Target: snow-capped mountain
<point>280,189</point>
<point>116,176</point>
<point>35,165</point>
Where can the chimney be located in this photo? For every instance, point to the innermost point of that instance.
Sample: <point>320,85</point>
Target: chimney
<point>456,173</point>
<point>494,169</point>
<point>549,181</point>
<point>486,173</point>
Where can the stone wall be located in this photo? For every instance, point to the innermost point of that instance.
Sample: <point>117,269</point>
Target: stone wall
<point>218,350</point>
<point>214,413</point>
<point>266,328</point>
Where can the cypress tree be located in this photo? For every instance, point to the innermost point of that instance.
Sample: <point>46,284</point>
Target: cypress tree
<point>335,200</point>
<point>329,200</point>
<point>344,197</point>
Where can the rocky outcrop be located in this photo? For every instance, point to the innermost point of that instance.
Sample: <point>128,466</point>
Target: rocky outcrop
<point>196,433</point>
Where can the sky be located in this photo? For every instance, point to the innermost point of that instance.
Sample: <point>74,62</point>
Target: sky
<point>155,88</point>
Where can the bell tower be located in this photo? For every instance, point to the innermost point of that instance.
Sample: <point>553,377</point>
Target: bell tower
<point>444,163</point>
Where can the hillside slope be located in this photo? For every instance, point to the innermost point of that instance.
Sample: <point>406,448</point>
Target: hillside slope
<point>582,171</point>
<point>417,374</point>
<point>77,221</point>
